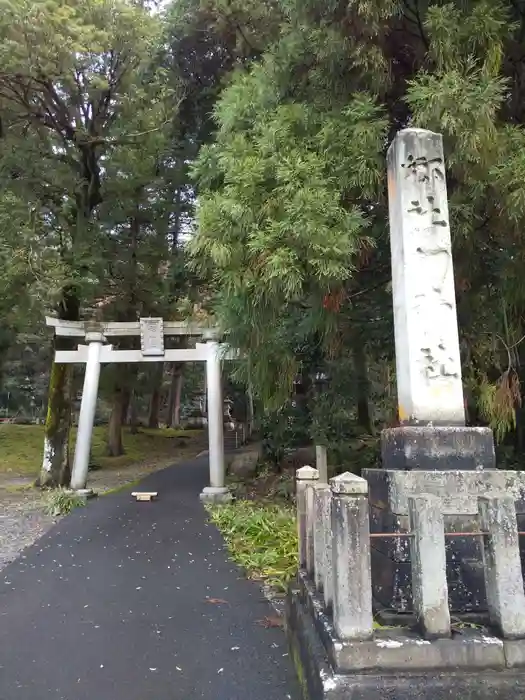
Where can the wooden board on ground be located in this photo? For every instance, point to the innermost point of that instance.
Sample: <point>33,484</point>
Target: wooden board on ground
<point>145,495</point>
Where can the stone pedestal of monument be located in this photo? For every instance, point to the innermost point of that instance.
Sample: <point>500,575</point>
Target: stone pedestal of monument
<point>459,490</point>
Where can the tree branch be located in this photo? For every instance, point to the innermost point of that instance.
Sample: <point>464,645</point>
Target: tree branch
<point>416,20</point>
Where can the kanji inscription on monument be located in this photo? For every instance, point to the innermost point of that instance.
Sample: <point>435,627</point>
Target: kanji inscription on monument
<point>152,336</point>
<point>428,360</point>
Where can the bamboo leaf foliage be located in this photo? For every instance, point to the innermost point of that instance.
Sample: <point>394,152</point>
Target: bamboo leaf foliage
<point>282,212</point>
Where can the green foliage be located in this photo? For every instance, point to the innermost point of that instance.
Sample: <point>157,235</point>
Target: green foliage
<point>284,211</point>
<point>62,501</point>
<point>284,429</point>
<point>283,229</point>
<point>272,121</point>
<point>498,403</point>
<point>85,114</point>
<point>262,539</point>
<point>292,204</point>
<point>77,96</point>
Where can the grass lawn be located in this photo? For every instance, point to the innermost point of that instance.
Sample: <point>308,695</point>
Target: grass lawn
<point>21,447</point>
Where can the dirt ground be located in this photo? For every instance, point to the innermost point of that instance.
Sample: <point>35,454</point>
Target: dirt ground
<point>22,516</point>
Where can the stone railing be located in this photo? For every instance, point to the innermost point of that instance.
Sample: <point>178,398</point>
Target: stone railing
<point>334,553</point>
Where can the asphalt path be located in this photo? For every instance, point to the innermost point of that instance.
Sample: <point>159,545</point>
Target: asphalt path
<point>138,601</point>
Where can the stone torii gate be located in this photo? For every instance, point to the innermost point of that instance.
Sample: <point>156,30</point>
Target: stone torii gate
<point>152,332</point>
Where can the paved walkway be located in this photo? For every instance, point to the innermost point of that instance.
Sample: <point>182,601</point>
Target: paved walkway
<point>121,601</point>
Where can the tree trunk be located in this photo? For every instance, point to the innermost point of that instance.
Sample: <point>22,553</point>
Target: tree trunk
<point>123,380</point>
<point>8,336</point>
<point>115,448</point>
<point>125,403</point>
<point>128,383</point>
<point>56,469</point>
<point>519,435</point>
<point>171,396</point>
<point>153,418</point>
<point>154,405</point>
<point>174,398</point>
<point>178,395</point>
<point>250,418</point>
<point>364,417</point>
<point>133,417</point>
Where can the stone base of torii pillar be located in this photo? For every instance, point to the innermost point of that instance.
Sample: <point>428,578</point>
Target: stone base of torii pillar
<point>432,450</point>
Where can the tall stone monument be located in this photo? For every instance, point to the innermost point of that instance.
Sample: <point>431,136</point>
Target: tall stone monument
<point>432,447</point>
<point>432,434</point>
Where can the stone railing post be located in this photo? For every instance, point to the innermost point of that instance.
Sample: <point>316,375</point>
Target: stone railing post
<point>310,527</point>
<point>304,476</point>
<point>325,510</point>
<point>352,581</point>
<point>428,557</point>
<point>322,497</point>
<point>502,567</point>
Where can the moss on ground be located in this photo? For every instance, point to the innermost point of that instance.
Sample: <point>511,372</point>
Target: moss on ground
<point>123,487</point>
<point>21,447</point>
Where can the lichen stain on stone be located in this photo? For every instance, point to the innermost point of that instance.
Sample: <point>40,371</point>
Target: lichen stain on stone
<point>389,644</point>
<point>296,660</point>
<point>492,640</point>
<point>391,184</point>
<point>329,682</point>
<point>47,461</point>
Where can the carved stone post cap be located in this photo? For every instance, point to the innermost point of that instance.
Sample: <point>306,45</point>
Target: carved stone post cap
<point>307,473</point>
<point>499,497</point>
<point>349,484</point>
<point>415,130</point>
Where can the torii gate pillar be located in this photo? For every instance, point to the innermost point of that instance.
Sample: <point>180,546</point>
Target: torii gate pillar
<point>217,490</point>
<point>95,341</point>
